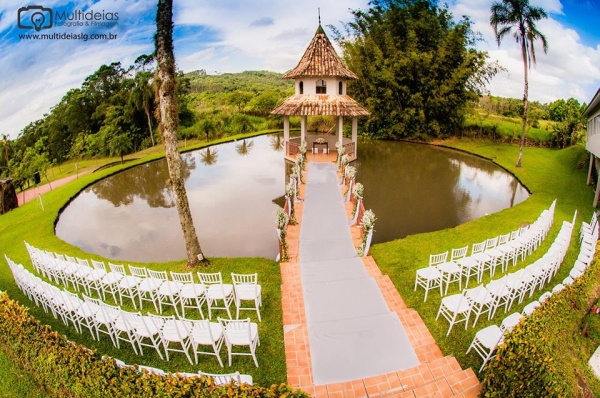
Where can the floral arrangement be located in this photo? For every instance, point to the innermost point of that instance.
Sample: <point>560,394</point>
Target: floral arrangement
<point>302,147</point>
<point>290,192</point>
<point>345,160</point>
<point>281,225</point>
<point>340,151</point>
<point>358,192</point>
<point>350,172</point>
<point>297,169</point>
<point>367,223</point>
<point>320,140</point>
<point>301,160</point>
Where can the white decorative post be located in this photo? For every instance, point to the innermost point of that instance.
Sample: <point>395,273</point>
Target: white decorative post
<point>341,130</point>
<point>355,135</point>
<point>286,129</point>
<point>303,128</point>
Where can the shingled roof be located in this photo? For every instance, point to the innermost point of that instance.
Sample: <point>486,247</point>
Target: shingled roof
<point>320,59</point>
<point>320,104</point>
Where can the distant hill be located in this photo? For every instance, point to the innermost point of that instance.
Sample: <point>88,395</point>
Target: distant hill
<point>255,82</point>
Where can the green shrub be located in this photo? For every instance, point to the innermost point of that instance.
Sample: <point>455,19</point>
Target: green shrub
<point>542,355</point>
<point>66,369</point>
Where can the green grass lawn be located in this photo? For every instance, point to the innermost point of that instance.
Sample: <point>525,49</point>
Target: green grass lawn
<point>29,222</point>
<point>548,174</point>
<point>506,129</point>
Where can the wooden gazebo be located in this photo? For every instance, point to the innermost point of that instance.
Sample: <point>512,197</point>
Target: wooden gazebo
<point>320,89</point>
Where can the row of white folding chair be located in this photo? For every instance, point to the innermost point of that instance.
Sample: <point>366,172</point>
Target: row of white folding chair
<point>484,255</point>
<point>589,228</point>
<point>587,251</point>
<point>504,291</point>
<point>517,285</point>
<point>99,317</point>
<point>218,378</point>
<point>153,286</point>
<point>489,338</point>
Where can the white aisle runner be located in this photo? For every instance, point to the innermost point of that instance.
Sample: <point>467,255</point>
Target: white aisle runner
<point>352,333</point>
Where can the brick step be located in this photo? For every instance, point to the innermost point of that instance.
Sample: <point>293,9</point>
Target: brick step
<point>442,377</point>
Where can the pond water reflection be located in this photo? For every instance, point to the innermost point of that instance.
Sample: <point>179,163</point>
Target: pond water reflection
<point>234,190</point>
<point>414,188</point>
<point>231,188</point>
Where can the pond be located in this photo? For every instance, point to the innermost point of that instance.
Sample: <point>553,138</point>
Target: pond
<point>414,188</point>
<point>234,190</point>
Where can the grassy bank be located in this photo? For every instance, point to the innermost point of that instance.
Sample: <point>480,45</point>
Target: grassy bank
<point>35,226</point>
<point>548,174</point>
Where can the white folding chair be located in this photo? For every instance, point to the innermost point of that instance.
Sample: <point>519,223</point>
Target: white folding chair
<point>124,329</point>
<point>216,291</point>
<point>104,319</point>
<point>529,308</point>
<point>469,265</point>
<point>191,295</point>
<point>95,277</point>
<point>455,308</point>
<point>430,277</point>
<point>127,285</point>
<point>86,313</point>
<point>240,332</point>
<point>146,329</point>
<point>173,331</point>
<point>489,263</point>
<point>80,276</point>
<point>206,333</point>
<point>450,270</point>
<point>168,292</point>
<point>481,301</point>
<point>485,342</point>
<point>110,282</point>
<point>227,378</point>
<point>147,289</point>
<point>246,288</point>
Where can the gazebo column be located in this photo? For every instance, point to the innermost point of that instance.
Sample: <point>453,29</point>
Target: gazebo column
<point>286,129</point>
<point>303,128</point>
<point>355,135</point>
<point>589,179</point>
<point>340,130</point>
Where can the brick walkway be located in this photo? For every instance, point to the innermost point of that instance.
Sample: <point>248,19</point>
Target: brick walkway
<point>436,376</point>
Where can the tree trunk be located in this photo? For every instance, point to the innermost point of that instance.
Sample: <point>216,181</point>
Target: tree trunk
<point>169,119</point>
<point>147,110</point>
<point>525,103</point>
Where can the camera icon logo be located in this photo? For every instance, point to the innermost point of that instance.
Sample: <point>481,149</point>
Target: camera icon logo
<point>35,17</point>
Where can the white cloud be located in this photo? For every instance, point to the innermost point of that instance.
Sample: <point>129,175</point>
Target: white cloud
<point>569,69</point>
<point>234,35</point>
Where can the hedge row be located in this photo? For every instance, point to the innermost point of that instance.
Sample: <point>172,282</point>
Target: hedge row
<point>546,354</point>
<point>66,369</point>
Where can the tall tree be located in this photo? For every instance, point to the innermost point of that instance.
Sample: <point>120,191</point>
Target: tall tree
<point>166,85</point>
<point>417,67</point>
<point>520,17</point>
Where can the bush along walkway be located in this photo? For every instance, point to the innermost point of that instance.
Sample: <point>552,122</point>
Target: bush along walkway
<point>435,373</point>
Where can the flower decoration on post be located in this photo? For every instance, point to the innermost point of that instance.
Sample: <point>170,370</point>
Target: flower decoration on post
<point>340,151</point>
<point>282,220</point>
<point>301,160</point>
<point>358,192</point>
<point>290,194</point>
<point>367,223</point>
<point>302,147</point>
<point>350,174</point>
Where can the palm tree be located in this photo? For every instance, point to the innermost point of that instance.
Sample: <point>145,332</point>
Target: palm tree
<point>141,96</point>
<point>520,15</point>
<point>166,92</point>
<point>119,145</point>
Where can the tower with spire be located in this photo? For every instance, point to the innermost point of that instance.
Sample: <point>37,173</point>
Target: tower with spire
<point>320,89</point>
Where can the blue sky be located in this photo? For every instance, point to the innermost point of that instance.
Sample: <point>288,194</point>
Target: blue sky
<point>237,35</point>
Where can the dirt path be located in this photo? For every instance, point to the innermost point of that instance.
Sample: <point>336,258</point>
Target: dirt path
<point>33,193</point>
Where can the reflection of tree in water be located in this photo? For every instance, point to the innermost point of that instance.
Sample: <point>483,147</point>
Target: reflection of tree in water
<point>209,157</point>
<point>244,148</point>
<point>276,142</point>
<point>148,182</point>
<point>410,188</point>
